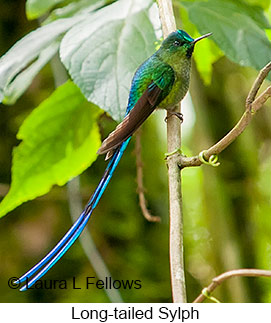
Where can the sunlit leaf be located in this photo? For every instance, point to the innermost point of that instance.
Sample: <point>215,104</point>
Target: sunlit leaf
<point>36,8</point>
<point>262,3</point>
<point>205,54</point>
<point>60,139</point>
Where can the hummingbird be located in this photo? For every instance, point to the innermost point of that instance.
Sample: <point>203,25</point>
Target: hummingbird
<point>160,82</point>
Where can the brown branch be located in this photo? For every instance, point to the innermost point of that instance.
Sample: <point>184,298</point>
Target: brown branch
<point>139,179</point>
<point>252,106</point>
<point>174,180</point>
<point>229,274</point>
<point>257,84</point>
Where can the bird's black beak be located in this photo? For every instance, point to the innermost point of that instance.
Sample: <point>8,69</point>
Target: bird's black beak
<point>201,37</point>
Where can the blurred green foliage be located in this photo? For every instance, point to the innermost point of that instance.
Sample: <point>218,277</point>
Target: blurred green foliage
<point>226,209</point>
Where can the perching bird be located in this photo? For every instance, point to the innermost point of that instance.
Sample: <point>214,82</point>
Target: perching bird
<point>160,82</point>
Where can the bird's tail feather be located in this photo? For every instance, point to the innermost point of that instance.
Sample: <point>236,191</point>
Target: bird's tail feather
<point>69,238</point>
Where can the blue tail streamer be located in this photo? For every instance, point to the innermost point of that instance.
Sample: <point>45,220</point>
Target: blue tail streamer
<point>41,268</point>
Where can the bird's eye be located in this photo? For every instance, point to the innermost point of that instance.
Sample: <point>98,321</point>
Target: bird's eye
<point>176,43</point>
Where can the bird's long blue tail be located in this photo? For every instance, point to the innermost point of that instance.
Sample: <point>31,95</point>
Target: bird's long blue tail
<point>69,238</point>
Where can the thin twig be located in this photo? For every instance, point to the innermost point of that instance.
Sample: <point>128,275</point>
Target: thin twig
<point>257,84</point>
<point>260,101</point>
<point>229,274</point>
<point>252,106</point>
<point>174,180</point>
<point>139,179</point>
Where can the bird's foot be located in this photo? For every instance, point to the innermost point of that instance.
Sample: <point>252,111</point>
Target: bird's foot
<point>179,115</point>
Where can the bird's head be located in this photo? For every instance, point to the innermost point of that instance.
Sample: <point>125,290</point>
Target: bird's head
<point>181,43</point>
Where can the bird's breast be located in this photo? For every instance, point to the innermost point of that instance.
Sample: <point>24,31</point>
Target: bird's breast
<point>179,88</point>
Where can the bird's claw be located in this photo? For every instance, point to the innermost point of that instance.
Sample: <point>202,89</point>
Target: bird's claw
<point>179,115</point>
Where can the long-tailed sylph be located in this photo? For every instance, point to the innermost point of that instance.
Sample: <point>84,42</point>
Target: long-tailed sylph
<point>160,82</point>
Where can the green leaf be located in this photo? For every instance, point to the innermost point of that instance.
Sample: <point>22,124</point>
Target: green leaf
<point>268,33</point>
<point>237,29</point>
<point>26,50</point>
<point>253,11</point>
<point>262,3</point>
<point>22,81</point>
<point>268,13</point>
<point>60,139</point>
<point>102,53</point>
<point>36,8</point>
<point>75,8</point>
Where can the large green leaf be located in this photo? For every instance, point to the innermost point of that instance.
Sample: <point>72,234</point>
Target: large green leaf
<point>36,8</point>
<point>59,141</point>
<point>102,53</point>
<point>75,8</point>
<point>237,28</point>
<point>22,81</point>
<point>29,48</point>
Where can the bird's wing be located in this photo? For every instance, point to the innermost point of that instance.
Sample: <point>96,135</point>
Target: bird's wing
<point>156,91</point>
